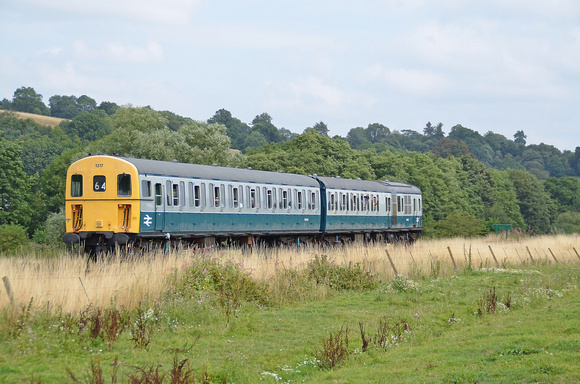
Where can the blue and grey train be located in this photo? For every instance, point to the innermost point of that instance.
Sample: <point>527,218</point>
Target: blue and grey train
<point>117,200</point>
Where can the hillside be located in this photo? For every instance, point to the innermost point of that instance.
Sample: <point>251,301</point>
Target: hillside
<point>40,119</point>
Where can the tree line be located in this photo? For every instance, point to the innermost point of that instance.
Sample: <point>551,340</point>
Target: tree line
<point>469,181</point>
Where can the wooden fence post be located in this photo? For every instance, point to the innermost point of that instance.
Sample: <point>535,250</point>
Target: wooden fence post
<point>392,264</point>
<point>530,253</point>
<point>9,291</point>
<point>452,259</point>
<point>494,258</point>
<point>553,255</point>
<point>576,252</point>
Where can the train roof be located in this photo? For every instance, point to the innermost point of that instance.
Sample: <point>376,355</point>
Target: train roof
<point>365,185</point>
<point>213,172</point>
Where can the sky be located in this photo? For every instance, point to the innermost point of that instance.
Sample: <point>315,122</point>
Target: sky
<point>489,65</point>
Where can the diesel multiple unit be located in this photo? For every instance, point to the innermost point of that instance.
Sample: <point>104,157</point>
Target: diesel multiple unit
<point>116,200</point>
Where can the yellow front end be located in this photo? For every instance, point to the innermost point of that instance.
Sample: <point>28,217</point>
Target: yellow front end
<point>102,201</point>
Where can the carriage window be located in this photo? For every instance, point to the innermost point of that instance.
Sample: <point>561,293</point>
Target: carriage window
<point>124,185</point>
<point>269,198</point>
<point>300,199</point>
<point>252,196</point>
<point>146,188</point>
<point>216,196</point>
<point>312,201</point>
<point>284,201</point>
<point>158,194</point>
<point>196,196</point>
<point>407,205</point>
<point>236,197</point>
<point>175,194</point>
<point>76,185</point>
<point>99,183</point>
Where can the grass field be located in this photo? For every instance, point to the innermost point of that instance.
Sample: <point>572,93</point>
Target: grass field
<point>300,315</point>
<point>40,119</point>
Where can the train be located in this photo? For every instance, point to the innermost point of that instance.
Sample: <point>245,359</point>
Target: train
<point>114,201</point>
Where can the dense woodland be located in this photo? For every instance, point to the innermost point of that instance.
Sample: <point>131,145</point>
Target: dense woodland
<point>469,181</point>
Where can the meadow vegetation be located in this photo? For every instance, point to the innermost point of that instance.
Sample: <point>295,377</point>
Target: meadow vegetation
<point>448,310</point>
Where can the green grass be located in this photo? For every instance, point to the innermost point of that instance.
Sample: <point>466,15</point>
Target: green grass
<point>446,334</point>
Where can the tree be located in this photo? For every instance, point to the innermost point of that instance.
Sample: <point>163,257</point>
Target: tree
<point>536,206</point>
<point>447,147</point>
<point>109,107</point>
<point>321,128</point>
<point>65,107</point>
<point>5,104</point>
<point>237,131</point>
<point>565,192</point>
<point>377,133</point>
<point>86,104</point>
<point>27,100</point>
<point>358,138</point>
<point>88,126</point>
<point>520,138</point>
<point>143,133</point>
<point>434,130</point>
<point>14,187</point>
<point>263,124</point>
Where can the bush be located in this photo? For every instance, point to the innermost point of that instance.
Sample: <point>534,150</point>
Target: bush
<point>223,279</point>
<point>12,237</point>
<point>55,227</point>
<point>352,277</point>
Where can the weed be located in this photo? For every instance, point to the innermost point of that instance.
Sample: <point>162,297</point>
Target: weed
<point>334,349</point>
<point>435,268</point>
<point>487,303</point>
<point>16,320</point>
<point>142,327</point>
<point>402,284</point>
<point>519,351</point>
<point>147,374</point>
<point>389,335</point>
<point>95,375</point>
<point>365,341</point>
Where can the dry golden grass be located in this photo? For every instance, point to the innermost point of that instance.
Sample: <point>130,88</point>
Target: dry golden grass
<point>40,119</point>
<point>71,283</point>
<point>423,255</point>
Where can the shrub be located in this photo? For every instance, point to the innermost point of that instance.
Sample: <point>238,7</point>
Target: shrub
<point>12,237</point>
<point>228,280</point>
<point>55,227</point>
<point>352,277</point>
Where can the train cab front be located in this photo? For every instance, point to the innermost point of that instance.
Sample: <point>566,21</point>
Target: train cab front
<point>102,203</point>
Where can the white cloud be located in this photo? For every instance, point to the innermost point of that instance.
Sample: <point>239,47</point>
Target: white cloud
<point>152,52</point>
<point>167,11</point>
<point>249,37</point>
<point>312,87</point>
<point>417,82</point>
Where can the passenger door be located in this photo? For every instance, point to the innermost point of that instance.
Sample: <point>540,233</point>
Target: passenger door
<point>159,207</point>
